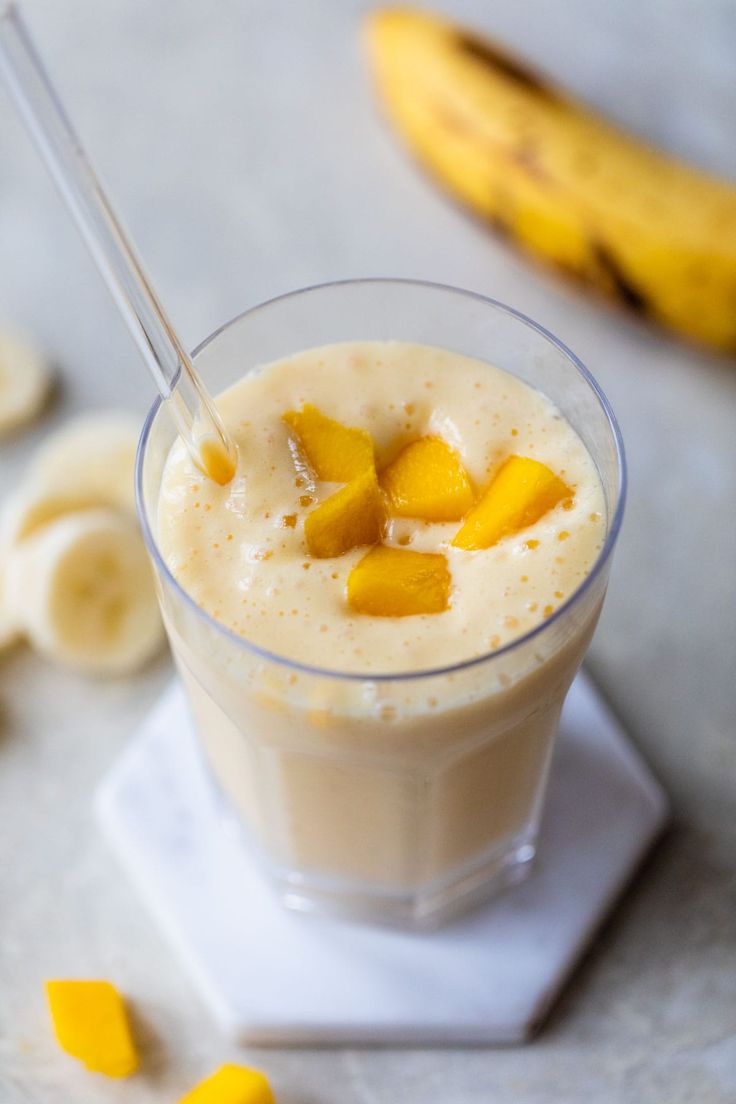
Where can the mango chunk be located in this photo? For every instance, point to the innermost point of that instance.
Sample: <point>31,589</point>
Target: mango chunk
<point>231,1084</point>
<point>352,516</point>
<point>336,453</point>
<point>520,493</point>
<point>91,1024</point>
<point>427,480</point>
<point>395,582</point>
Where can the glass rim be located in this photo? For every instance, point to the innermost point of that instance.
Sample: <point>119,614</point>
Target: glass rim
<point>242,642</point>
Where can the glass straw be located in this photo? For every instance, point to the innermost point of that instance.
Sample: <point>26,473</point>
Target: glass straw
<point>193,410</point>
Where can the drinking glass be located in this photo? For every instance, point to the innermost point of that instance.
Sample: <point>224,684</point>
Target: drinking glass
<point>396,798</point>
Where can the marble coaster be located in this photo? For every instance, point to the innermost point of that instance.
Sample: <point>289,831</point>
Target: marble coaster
<point>272,977</point>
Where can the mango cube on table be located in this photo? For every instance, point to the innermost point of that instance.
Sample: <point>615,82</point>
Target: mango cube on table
<point>352,516</point>
<point>522,491</point>
<point>231,1084</point>
<point>91,1024</point>
<point>427,480</point>
<point>396,582</point>
<point>336,453</point>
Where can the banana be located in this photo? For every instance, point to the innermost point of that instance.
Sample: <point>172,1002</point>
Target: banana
<point>9,631</point>
<point>25,380</point>
<point>82,590</point>
<point>646,230</point>
<point>88,463</point>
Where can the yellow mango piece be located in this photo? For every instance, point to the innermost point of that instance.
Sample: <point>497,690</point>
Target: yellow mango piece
<point>395,582</point>
<point>231,1084</point>
<point>91,1024</point>
<point>427,480</point>
<point>352,516</point>
<point>520,493</point>
<point>336,453</point>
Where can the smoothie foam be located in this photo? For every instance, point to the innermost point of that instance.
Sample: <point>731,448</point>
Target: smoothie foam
<point>239,550</point>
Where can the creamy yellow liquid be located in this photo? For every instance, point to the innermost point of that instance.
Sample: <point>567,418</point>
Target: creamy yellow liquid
<point>410,787</point>
<point>239,549</point>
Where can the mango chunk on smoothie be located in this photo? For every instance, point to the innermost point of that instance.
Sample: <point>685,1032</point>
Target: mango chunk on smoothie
<point>427,480</point>
<point>336,453</point>
<point>395,582</point>
<point>231,1084</point>
<point>91,1024</point>
<point>520,493</point>
<point>352,516</point>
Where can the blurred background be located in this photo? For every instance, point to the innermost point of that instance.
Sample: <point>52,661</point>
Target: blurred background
<point>242,143</point>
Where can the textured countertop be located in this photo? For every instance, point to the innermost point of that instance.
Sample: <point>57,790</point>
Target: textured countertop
<point>241,142</point>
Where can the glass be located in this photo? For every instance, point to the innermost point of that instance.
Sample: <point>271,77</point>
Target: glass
<point>394,798</point>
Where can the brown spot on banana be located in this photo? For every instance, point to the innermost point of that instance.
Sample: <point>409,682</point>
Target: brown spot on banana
<point>526,157</point>
<point>622,286</point>
<point>522,153</point>
<point>501,227</point>
<point>506,65</point>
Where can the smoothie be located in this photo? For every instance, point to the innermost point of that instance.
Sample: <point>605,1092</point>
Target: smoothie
<point>386,786</point>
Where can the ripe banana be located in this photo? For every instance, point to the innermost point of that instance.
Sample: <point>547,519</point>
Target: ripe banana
<point>82,590</point>
<point>25,379</point>
<point>624,218</point>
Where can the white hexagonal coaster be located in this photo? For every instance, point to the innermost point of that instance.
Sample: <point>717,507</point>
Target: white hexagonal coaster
<point>274,977</point>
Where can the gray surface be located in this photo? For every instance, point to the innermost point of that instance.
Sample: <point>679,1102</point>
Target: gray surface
<point>243,146</point>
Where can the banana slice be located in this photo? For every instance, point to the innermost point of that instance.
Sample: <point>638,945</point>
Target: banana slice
<point>25,380</point>
<point>82,590</point>
<point>87,464</point>
<point>9,631</point>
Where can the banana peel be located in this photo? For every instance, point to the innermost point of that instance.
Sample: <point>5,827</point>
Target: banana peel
<point>570,188</point>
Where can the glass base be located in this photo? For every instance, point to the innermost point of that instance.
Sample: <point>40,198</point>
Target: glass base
<point>421,909</point>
